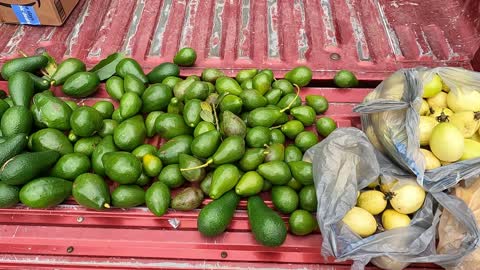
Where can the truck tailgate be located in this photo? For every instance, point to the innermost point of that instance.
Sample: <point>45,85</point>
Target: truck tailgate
<point>373,38</point>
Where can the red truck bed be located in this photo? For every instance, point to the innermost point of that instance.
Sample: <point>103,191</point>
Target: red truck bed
<point>373,38</point>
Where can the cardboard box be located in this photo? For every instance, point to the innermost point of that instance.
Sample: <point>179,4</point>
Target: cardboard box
<point>36,12</point>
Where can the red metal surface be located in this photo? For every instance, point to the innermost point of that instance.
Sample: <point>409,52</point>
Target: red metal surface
<point>371,37</point>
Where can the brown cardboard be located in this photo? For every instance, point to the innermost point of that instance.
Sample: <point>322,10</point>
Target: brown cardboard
<point>48,12</point>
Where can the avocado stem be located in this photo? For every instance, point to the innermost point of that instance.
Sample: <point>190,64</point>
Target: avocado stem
<point>293,100</point>
<point>106,205</point>
<point>210,161</point>
<point>215,117</point>
<point>275,127</point>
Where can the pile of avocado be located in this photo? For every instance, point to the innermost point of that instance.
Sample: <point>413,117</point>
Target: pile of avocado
<point>223,138</point>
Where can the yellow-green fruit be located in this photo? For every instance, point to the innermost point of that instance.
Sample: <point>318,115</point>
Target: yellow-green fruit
<point>467,122</point>
<point>426,127</point>
<point>476,136</point>
<point>432,87</point>
<point>360,221</point>
<point>446,142</point>
<point>425,108</point>
<point>445,87</point>
<point>373,201</point>
<point>374,184</point>
<point>472,150</point>
<point>439,100</point>
<point>392,219</point>
<point>464,100</point>
<point>406,197</point>
<point>431,161</point>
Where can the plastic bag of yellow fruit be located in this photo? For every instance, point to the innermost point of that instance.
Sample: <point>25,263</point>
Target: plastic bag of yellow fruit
<point>428,122</point>
<point>452,233</point>
<point>369,209</point>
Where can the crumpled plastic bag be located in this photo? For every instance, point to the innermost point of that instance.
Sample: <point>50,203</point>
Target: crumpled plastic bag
<point>451,232</point>
<point>390,118</point>
<point>346,162</point>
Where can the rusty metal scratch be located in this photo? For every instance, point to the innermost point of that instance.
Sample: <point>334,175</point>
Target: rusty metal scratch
<point>243,44</point>
<point>96,50</point>
<point>12,44</point>
<point>451,52</point>
<point>427,51</point>
<point>132,30</point>
<point>216,37</point>
<point>47,36</point>
<point>391,35</point>
<point>73,37</point>
<point>188,23</point>
<point>302,42</point>
<point>272,29</point>
<point>330,31</point>
<point>15,233</point>
<point>358,34</point>
<point>157,43</point>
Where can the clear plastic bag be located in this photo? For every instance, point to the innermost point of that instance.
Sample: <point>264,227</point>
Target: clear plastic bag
<point>345,163</point>
<point>451,232</point>
<point>390,117</point>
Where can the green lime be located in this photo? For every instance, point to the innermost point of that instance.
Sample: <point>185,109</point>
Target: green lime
<point>258,136</point>
<point>308,198</point>
<point>317,102</point>
<point>185,57</point>
<point>302,222</point>
<point>152,165</point>
<point>325,126</point>
<point>300,76</point>
<point>86,121</point>
<point>276,136</point>
<point>105,108</point>
<point>345,79</point>
<point>284,198</point>
<point>71,165</point>
<point>144,149</point>
<point>143,180</point>
<point>292,128</point>
<point>171,176</point>
<point>305,140</point>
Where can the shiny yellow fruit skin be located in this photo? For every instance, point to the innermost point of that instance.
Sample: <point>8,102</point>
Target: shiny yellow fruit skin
<point>387,187</point>
<point>476,136</point>
<point>432,87</point>
<point>472,150</point>
<point>431,161</point>
<point>407,198</point>
<point>439,100</point>
<point>426,126</point>
<point>436,112</point>
<point>360,221</point>
<point>373,201</point>
<point>445,87</point>
<point>392,219</point>
<point>446,142</point>
<point>463,100</point>
<point>466,122</point>
<point>374,184</point>
<point>424,108</point>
